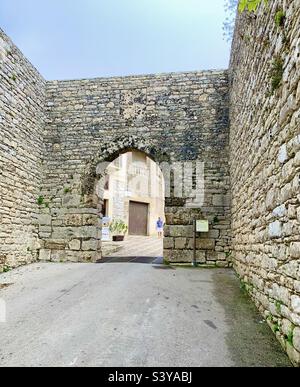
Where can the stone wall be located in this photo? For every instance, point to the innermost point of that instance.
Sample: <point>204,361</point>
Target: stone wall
<point>265,164</point>
<point>172,118</point>
<point>22,93</point>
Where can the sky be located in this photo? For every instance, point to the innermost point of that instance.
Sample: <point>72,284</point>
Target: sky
<point>72,39</point>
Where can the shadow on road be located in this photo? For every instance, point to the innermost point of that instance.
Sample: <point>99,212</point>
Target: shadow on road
<point>146,260</point>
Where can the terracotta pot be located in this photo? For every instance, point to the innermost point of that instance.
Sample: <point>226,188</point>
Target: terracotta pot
<point>118,238</point>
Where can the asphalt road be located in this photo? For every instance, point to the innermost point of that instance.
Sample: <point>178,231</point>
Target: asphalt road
<point>131,314</point>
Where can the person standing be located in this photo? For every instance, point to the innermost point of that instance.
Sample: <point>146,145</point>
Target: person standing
<point>160,227</point>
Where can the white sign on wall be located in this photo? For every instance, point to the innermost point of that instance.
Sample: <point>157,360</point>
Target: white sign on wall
<point>202,226</point>
<point>105,230</point>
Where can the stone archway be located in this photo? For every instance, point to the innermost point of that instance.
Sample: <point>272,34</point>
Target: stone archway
<point>76,227</point>
<point>95,171</point>
<point>173,118</point>
<point>111,150</point>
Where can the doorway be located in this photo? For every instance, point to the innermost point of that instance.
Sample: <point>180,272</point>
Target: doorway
<point>132,192</point>
<point>138,218</point>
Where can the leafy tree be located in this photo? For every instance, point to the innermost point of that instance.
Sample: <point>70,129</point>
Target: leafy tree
<point>231,7</point>
<point>250,5</point>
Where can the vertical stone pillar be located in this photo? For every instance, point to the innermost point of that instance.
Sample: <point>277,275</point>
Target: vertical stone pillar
<point>73,230</point>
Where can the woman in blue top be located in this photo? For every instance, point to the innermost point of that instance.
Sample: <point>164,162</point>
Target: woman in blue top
<point>160,227</point>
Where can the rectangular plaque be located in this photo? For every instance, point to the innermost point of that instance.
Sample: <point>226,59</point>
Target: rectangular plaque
<point>105,229</point>
<point>202,226</point>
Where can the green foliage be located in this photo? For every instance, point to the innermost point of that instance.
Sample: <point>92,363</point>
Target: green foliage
<point>250,5</point>
<point>275,328</point>
<point>276,73</point>
<point>228,254</point>
<point>278,306</point>
<point>40,200</point>
<point>216,220</point>
<point>118,227</point>
<point>243,286</point>
<point>67,190</point>
<point>14,77</point>
<point>289,337</point>
<point>6,269</point>
<point>249,288</point>
<point>279,18</point>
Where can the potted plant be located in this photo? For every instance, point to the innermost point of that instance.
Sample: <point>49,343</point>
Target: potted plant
<point>118,228</point>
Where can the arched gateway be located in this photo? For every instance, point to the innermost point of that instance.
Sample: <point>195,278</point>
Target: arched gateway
<point>178,120</point>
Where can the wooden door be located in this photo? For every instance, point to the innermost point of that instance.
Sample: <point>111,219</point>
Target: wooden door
<point>138,218</point>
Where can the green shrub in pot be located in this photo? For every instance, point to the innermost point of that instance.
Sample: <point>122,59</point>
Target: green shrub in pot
<point>118,228</point>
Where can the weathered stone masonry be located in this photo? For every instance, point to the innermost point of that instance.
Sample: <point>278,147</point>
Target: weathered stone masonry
<point>22,96</point>
<point>55,134</point>
<point>63,130</point>
<point>172,118</point>
<point>265,167</point>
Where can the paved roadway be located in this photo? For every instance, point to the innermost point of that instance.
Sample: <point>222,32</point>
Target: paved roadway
<point>134,246</point>
<point>130,314</point>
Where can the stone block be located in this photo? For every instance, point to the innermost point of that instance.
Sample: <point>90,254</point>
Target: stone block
<point>205,244</point>
<point>222,264</point>
<point>293,354</point>
<point>90,220</point>
<point>272,198</point>
<point>73,220</point>
<point>75,232</point>
<point>275,229</point>
<point>295,302</point>
<point>74,256</point>
<point>89,245</point>
<point>221,257</point>
<point>58,256</point>
<point>295,250</point>
<point>181,231</point>
<point>44,220</point>
<point>286,326</point>
<point>282,154</point>
<point>55,244</point>
<point>45,229</point>
<point>200,256</point>
<point>279,211</point>
<point>90,256</point>
<point>218,200</point>
<point>180,243</point>
<point>75,244</point>
<point>212,234</point>
<point>212,256</point>
<point>45,255</point>
<point>72,200</point>
<point>179,256</point>
<point>168,243</point>
<point>44,235</point>
<point>296,338</point>
<point>280,293</point>
<point>291,269</point>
